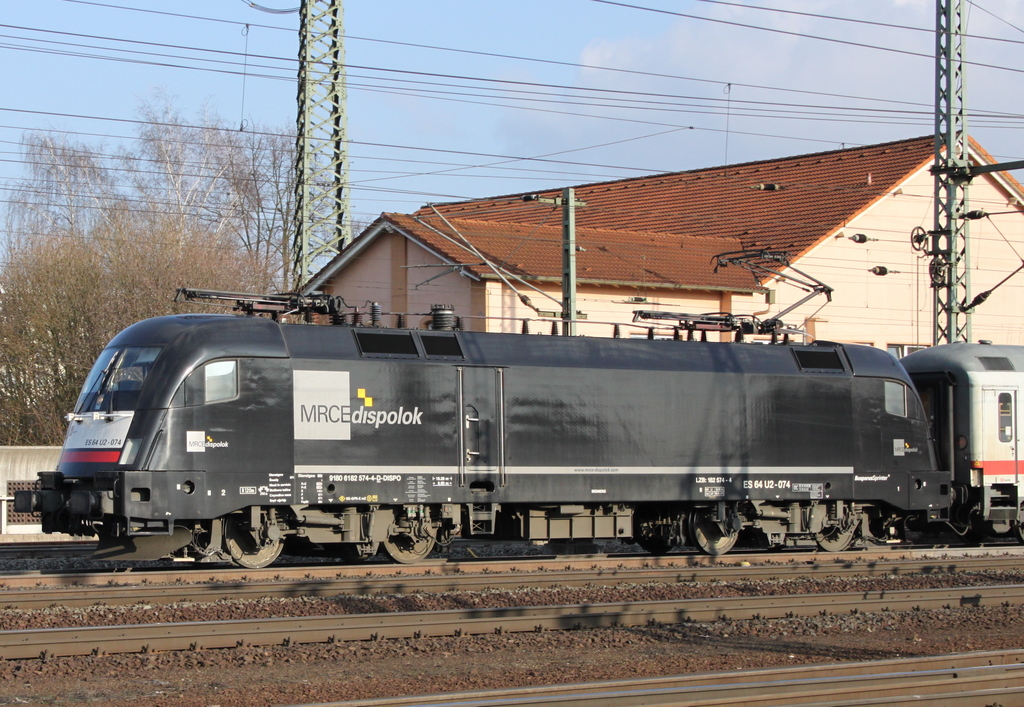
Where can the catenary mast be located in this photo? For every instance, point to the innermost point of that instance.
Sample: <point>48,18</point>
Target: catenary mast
<point>322,215</point>
<point>948,241</point>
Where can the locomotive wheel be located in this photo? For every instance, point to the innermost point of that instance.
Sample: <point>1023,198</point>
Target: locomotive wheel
<point>708,536</point>
<point>835,538</point>
<point>243,548</point>
<point>406,549</point>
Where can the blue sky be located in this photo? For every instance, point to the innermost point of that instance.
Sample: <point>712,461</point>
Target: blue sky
<point>725,92</point>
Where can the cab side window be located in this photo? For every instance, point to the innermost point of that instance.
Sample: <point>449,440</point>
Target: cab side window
<point>221,380</point>
<point>895,398</point>
<point>214,382</point>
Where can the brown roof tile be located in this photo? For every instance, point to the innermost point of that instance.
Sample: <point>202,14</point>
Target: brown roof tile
<point>607,255</point>
<point>664,229</point>
<point>786,204</point>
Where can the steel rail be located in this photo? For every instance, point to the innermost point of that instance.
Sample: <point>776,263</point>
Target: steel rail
<point>35,597</point>
<point>118,594</point>
<point>971,678</point>
<point>180,572</point>
<point>460,575</point>
<point>361,627</point>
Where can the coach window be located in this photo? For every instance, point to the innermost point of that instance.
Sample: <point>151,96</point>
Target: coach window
<point>221,380</point>
<point>1005,417</point>
<point>895,398</point>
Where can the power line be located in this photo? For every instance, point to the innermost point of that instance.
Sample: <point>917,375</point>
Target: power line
<point>543,61</point>
<point>478,79</point>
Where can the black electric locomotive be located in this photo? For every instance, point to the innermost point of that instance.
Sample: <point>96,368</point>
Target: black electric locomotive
<point>217,437</point>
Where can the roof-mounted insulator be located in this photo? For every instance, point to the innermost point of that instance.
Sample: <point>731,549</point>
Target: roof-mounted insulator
<point>767,186</point>
<point>442,317</point>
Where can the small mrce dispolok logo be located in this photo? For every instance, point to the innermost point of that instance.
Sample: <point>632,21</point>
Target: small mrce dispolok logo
<point>323,407</point>
<point>198,441</point>
<point>901,448</point>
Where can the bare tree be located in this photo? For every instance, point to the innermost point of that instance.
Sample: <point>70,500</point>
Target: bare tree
<point>97,239</point>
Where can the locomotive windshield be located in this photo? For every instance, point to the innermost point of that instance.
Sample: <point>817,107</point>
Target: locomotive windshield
<point>115,380</point>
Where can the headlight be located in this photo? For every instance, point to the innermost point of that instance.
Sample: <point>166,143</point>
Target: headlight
<point>129,452</point>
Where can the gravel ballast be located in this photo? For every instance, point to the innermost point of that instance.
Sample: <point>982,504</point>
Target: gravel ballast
<point>332,672</point>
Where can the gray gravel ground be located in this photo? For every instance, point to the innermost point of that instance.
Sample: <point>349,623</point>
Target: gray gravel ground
<point>303,674</point>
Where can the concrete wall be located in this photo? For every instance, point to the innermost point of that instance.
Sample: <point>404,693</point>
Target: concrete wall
<point>22,464</point>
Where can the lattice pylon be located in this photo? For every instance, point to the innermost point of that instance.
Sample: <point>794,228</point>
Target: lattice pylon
<point>322,189</point>
<point>949,238</point>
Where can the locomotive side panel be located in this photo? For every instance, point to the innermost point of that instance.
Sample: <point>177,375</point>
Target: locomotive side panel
<point>638,436</point>
<point>374,431</point>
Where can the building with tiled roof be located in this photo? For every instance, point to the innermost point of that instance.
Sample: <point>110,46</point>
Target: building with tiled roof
<point>649,243</point>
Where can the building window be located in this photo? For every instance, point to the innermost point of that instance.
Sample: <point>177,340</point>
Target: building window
<point>901,350</point>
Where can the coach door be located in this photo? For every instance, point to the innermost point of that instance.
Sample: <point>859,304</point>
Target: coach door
<point>1000,448</point>
<point>482,428</point>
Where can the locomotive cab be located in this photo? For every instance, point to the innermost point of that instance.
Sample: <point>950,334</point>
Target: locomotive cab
<point>162,391</point>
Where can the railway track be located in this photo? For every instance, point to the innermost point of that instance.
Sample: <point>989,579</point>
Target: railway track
<point>52,642</point>
<point>187,572</point>
<point>73,591</point>
<point>969,679</point>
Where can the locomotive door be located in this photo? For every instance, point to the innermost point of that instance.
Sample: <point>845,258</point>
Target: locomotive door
<point>481,395</point>
<point>1000,448</point>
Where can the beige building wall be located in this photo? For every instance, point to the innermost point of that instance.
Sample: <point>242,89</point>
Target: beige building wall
<point>896,310</point>
<point>402,276</point>
<point>366,279</point>
<point>603,307</point>
<point>394,272</point>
